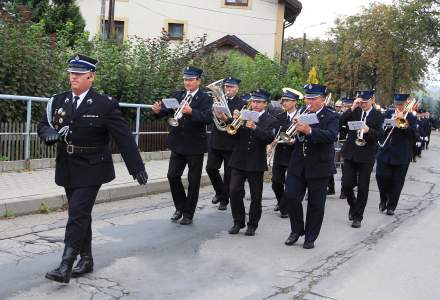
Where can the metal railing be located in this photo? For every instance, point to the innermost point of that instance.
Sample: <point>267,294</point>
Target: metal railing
<point>29,100</point>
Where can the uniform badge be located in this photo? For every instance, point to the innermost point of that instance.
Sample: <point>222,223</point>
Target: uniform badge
<point>77,57</point>
<point>89,101</point>
<point>66,100</point>
<point>60,120</point>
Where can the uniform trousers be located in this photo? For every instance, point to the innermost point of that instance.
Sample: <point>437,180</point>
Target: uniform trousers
<point>390,180</point>
<point>278,182</point>
<point>221,186</point>
<point>255,180</point>
<point>186,203</point>
<point>295,190</point>
<point>79,224</point>
<point>357,173</point>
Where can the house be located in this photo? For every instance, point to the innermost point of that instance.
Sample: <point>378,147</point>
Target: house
<point>251,26</point>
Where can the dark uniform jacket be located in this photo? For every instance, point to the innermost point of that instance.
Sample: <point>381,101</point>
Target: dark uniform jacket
<point>283,151</point>
<point>367,153</point>
<point>314,157</point>
<point>343,131</point>
<point>190,138</point>
<point>249,153</point>
<point>398,149</point>
<point>221,140</point>
<point>96,119</point>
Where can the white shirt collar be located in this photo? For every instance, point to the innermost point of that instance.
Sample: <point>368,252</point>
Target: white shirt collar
<point>261,113</point>
<point>81,97</point>
<point>317,112</point>
<point>192,93</point>
<point>292,114</point>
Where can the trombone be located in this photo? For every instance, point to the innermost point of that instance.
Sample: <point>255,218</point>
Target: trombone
<point>174,121</point>
<point>401,123</point>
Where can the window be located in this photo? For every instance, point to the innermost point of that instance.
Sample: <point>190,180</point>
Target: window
<point>175,31</point>
<point>237,2</point>
<point>119,30</point>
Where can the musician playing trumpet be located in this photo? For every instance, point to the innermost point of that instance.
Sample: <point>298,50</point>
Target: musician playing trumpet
<point>221,145</point>
<point>283,150</point>
<point>395,153</point>
<point>187,142</point>
<point>248,162</point>
<point>359,152</point>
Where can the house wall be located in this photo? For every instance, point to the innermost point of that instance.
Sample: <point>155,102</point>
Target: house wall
<point>259,25</point>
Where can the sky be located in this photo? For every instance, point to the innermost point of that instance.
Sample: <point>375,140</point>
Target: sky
<point>316,12</point>
<point>318,16</point>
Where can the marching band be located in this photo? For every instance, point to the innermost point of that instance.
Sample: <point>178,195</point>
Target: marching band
<point>249,134</point>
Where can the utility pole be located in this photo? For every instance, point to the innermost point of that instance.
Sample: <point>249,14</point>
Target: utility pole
<point>111,19</point>
<point>102,17</point>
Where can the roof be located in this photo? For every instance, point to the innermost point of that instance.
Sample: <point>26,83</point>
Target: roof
<point>293,9</point>
<point>232,41</point>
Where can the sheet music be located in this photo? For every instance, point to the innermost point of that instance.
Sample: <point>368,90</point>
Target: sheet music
<point>389,122</point>
<point>309,119</point>
<point>355,125</point>
<point>170,103</point>
<point>249,115</point>
<point>275,103</point>
<point>220,109</point>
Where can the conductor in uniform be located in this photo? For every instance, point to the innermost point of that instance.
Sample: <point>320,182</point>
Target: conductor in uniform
<point>80,122</point>
<point>248,162</point>
<point>394,156</point>
<point>221,145</point>
<point>283,150</point>
<point>187,142</point>
<point>311,165</point>
<point>359,153</point>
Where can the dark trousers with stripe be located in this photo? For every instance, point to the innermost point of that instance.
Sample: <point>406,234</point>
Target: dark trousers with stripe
<point>79,224</point>
<point>390,180</point>
<point>221,186</point>
<point>186,203</point>
<point>278,182</point>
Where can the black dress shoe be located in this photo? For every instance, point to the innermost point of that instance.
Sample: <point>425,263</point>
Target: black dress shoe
<point>277,208</point>
<point>223,206</point>
<point>284,215</point>
<point>176,216</point>
<point>84,266</point>
<point>308,245</point>
<point>390,212</point>
<point>356,224</point>
<point>215,199</point>
<point>185,221</point>
<point>235,229</point>
<point>382,207</point>
<point>64,271</point>
<point>250,231</point>
<point>292,239</point>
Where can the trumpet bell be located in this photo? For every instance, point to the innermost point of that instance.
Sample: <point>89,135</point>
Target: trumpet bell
<point>173,122</point>
<point>402,123</point>
<point>231,129</point>
<point>285,137</point>
<point>360,142</point>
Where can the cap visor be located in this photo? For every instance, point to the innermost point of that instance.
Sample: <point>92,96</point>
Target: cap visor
<point>187,76</point>
<point>78,70</point>
<point>287,99</point>
<point>311,96</point>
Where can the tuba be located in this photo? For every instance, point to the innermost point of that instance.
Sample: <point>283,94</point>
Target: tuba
<point>219,97</point>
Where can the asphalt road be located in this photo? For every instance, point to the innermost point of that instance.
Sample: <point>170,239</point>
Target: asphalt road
<point>140,254</point>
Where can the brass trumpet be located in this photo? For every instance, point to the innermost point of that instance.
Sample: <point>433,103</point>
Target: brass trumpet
<point>174,121</point>
<point>291,131</point>
<point>360,141</point>
<point>238,122</point>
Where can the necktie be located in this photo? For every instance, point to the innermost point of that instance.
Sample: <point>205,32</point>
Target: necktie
<point>75,102</point>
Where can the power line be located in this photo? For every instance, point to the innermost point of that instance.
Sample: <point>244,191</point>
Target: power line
<point>198,26</point>
<point>216,11</point>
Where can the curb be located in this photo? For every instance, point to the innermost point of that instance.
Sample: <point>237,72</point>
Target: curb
<point>31,204</point>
